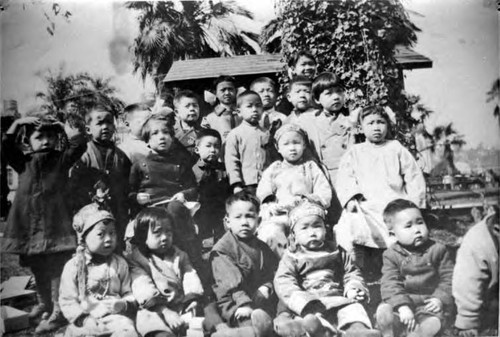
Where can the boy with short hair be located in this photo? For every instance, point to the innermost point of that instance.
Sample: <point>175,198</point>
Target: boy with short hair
<point>246,155</point>
<point>224,118</point>
<point>299,95</point>
<point>475,279</point>
<point>266,88</point>
<point>187,111</point>
<point>243,269</point>
<point>213,184</point>
<point>103,169</point>
<point>133,145</point>
<point>416,275</point>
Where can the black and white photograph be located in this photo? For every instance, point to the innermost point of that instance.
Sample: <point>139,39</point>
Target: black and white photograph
<point>249,168</point>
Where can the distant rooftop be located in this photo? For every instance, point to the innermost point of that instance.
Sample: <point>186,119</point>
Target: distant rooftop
<point>263,64</point>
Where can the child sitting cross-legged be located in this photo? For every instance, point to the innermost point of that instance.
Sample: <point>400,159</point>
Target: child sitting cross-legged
<point>416,276</point>
<point>163,280</point>
<point>317,282</point>
<point>95,294</point>
<point>243,269</point>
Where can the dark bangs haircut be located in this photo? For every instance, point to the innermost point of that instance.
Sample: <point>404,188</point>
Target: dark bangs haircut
<point>149,217</point>
<point>146,128</point>
<point>325,81</point>
<point>292,62</point>
<point>224,78</point>
<point>207,133</point>
<point>244,94</point>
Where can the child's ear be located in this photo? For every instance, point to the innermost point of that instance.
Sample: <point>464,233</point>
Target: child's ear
<point>196,150</point>
<point>288,96</point>
<point>87,129</point>
<point>226,221</point>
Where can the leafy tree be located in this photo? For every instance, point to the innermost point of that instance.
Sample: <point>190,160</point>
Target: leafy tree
<point>494,95</point>
<point>81,91</point>
<point>355,39</point>
<point>170,31</point>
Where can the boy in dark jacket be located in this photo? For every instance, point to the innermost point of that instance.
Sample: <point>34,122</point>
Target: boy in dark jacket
<point>243,269</point>
<point>213,184</point>
<point>416,275</point>
<point>102,167</point>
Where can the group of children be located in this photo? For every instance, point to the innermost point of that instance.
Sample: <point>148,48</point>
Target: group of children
<point>138,267</point>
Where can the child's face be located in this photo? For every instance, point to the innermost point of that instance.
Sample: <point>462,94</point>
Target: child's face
<point>267,94</point>
<point>250,109</point>
<point>226,93</point>
<point>208,149</point>
<point>43,140</point>
<point>136,120</point>
<point>101,239</point>
<point>300,96</point>
<point>160,237</point>
<point>160,139</point>
<point>101,125</point>
<point>305,67</point>
<point>332,99</point>
<point>188,110</point>
<point>374,128</point>
<point>409,228</point>
<point>310,232</point>
<point>242,219</point>
<point>291,146</point>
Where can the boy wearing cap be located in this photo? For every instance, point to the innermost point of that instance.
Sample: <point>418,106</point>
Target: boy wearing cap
<point>318,282</point>
<point>95,294</point>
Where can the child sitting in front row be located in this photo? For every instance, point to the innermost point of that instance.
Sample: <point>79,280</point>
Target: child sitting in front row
<point>416,276</point>
<point>243,269</point>
<point>318,282</point>
<point>163,281</point>
<point>95,294</point>
<point>285,181</point>
<point>246,154</point>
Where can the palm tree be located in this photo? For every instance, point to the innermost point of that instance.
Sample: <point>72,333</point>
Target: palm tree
<point>494,95</point>
<point>178,30</point>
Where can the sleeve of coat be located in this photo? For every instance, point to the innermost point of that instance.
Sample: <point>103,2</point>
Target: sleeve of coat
<point>266,188</point>
<point>288,288</point>
<point>68,292</point>
<point>352,275</point>
<point>227,285</point>
<point>346,184</point>
<point>443,291</point>
<point>134,181</point>
<point>232,159</point>
<point>125,279</point>
<point>321,185</point>
<point>470,280</point>
<point>413,177</point>
<point>191,282</point>
<point>142,286</point>
<point>12,153</point>
<point>77,145</point>
<point>392,283</point>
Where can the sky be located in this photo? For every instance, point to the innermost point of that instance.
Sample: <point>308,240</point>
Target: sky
<point>460,36</point>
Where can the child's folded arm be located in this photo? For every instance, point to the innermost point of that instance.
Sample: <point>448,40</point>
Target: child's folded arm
<point>352,275</point>
<point>392,283</point>
<point>443,290</point>
<point>346,185</point>
<point>227,285</point>
<point>266,188</point>
<point>288,289</point>
<point>77,145</point>
<point>232,159</point>
<point>69,300</point>
<point>126,283</point>
<point>191,282</point>
<point>143,287</point>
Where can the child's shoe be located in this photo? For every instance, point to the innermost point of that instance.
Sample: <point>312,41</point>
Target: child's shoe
<point>313,326</point>
<point>285,325</point>
<point>53,322</point>
<point>360,330</point>
<point>262,323</point>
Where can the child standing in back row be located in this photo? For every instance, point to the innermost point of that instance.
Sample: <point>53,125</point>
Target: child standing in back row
<point>39,222</point>
<point>246,154</point>
<point>187,111</point>
<point>133,146</point>
<point>266,88</point>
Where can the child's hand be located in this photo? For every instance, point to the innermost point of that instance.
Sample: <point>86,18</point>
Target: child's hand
<point>143,198</point>
<point>265,292</point>
<point>70,131</point>
<point>352,206</point>
<point>237,189</point>
<point>28,121</point>
<point>109,307</point>
<point>407,318</point>
<point>191,307</point>
<point>173,319</point>
<point>433,305</point>
<point>243,312</point>
<point>101,309</point>
<point>179,197</point>
<point>468,333</point>
<point>356,294</point>
<point>90,324</point>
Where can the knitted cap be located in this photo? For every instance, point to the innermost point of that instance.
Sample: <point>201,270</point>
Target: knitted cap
<point>304,209</point>
<point>289,128</point>
<point>87,217</point>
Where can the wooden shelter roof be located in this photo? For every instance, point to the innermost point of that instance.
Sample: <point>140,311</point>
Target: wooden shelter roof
<point>262,64</point>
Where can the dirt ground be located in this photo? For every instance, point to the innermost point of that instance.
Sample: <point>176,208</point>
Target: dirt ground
<point>443,227</point>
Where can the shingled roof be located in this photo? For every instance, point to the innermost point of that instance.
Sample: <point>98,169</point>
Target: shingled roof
<point>263,64</point>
